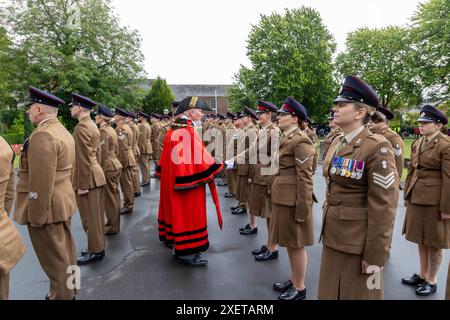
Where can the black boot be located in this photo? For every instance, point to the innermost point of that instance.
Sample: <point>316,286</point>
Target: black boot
<point>90,258</point>
<point>195,261</point>
<point>259,251</point>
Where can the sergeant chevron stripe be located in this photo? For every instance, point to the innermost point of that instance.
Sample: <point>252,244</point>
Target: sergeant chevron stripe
<point>384,181</point>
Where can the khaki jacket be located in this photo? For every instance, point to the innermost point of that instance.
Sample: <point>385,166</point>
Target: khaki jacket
<point>110,149</point>
<point>428,180</point>
<point>134,128</point>
<point>125,141</point>
<point>293,183</point>
<point>87,172</point>
<point>44,193</point>
<point>397,146</point>
<point>264,146</point>
<point>246,146</point>
<point>12,247</point>
<point>145,139</point>
<point>359,213</point>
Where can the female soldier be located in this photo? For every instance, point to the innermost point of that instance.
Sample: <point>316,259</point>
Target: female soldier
<point>292,224</point>
<point>426,195</point>
<point>362,195</point>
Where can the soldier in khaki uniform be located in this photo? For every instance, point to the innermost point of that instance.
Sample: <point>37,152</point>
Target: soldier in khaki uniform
<point>145,148</point>
<point>126,158</point>
<point>361,200</point>
<point>111,167</point>
<point>245,160</point>
<point>134,128</point>
<point>427,201</point>
<point>379,125</point>
<point>46,164</point>
<point>156,125</point>
<point>161,137</point>
<point>292,224</point>
<point>335,132</point>
<point>88,179</point>
<point>12,247</point>
<point>230,142</point>
<point>265,169</point>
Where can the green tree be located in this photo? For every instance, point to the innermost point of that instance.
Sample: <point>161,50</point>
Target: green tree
<point>431,38</point>
<point>75,46</point>
<point>239,96</point>
<point>290,55</point>
<point>382,57</point>
<point>159,97</point>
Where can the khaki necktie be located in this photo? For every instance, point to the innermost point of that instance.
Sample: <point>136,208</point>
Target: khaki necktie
<point>342,143</point>
<point>423,145</point>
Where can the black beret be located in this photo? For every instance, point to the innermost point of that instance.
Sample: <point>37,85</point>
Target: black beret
<point>79,100</point>
<point>143,114</point>
<point>39,96</point>
<point>432,114</point>
<point>157,116</point>
<point>292,107</point>
<point>355,90</point>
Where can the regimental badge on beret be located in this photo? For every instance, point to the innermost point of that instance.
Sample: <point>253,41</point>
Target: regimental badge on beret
<point>34,195</point>
<point>423,114</point>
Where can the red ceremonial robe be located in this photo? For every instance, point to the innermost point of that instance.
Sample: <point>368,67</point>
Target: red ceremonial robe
<point>185,167</point>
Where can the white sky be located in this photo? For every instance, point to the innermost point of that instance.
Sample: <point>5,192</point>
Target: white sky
<point>204,41</point>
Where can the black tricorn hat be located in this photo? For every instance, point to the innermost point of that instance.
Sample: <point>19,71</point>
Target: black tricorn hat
<point>191,103</point>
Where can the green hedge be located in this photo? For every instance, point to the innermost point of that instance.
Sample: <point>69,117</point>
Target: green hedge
<point>14,138</point>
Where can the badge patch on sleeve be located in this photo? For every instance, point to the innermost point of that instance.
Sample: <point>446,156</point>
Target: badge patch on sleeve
<point>302,162</point>
<point>384,181</point>
<point>398,152</point>
<point>34,195</point>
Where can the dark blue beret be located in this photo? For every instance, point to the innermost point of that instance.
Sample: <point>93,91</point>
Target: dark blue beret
<point>79,100</point>
<point>386,112</point>
<point>131,114</point>
<point>292,107</point>
<point>432,114</point>
<point>104,111</point>
<point>121,112</point>
<point>39,96</point>
<point>264,106</point>
<point>355,90</point>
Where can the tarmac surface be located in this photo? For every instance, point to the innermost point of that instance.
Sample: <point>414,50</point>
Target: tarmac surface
<point>138,267</point>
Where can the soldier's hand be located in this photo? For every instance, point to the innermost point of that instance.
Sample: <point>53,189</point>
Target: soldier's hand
<point>365,266</point>
<point>82,192</point>
<point>445,216</point>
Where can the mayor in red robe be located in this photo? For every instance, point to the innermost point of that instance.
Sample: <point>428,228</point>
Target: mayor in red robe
<point>185,168</point>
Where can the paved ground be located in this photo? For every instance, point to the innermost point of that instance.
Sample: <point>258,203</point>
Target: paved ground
<point>138,266</point>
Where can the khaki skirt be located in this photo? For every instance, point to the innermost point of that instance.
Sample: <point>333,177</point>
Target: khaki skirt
<point>423,225</point>
<point>285,231</point>
<point>242,189</point>
<point>341,278</point>
<point>258,195</point>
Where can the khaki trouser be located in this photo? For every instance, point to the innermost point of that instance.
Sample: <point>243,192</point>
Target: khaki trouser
<point>135,177</point>
<point>126,184</point>
<point>55,250</point>
<point>231,177</point>
<point>4,286</point>
<point>144,163</point>
<point>92,216</point>
<point>112,201</point>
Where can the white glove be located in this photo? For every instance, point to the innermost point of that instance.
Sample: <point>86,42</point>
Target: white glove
<point>229,164</point>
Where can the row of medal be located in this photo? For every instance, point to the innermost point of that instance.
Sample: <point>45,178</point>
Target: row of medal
<point>346,167</point>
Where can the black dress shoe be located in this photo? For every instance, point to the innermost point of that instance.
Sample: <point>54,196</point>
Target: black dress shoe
<point>107,234</point>
<point>267,256</point>
<point>222,184</point>
<point>229,195</point>
<point>249,231</point>
<point>234,208</point>
<point>137,194</point>
<point>259,251</point>
<point>245,228</point>
<point>90,258</point>
<point>426,289</point>
<point>282,286</point>
<point>414,280</point>
<point>84,252</point>
<point>293,294</point>
<point>47,296</point>
<point>196,261</point>
<point>145,184</point>
<point>126,211</point>
<point>239,211</point>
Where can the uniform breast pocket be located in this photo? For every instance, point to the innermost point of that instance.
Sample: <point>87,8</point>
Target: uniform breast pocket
<point>284,191</point>
<point>427,192</point>
<point>353,225</point>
